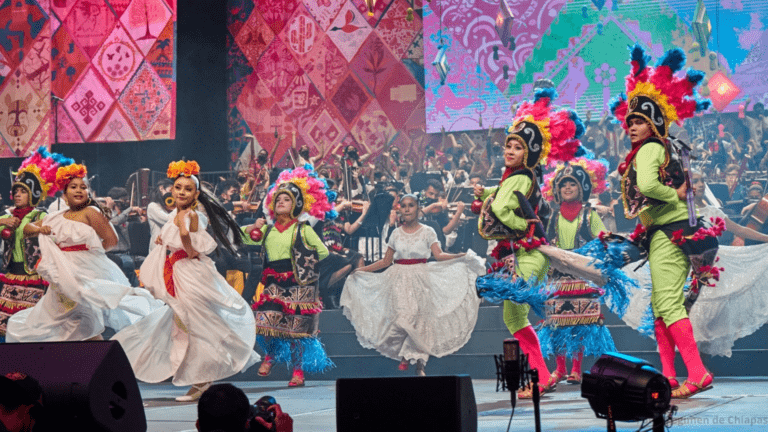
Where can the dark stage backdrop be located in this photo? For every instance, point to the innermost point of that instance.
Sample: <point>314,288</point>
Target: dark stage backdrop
<point>201,123</point>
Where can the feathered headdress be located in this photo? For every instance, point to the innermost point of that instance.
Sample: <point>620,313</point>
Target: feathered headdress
<point>37,174</point>
<point>589,174</point>
<point>656,95</point>
<point>310,194</point>
<point>546,133</point>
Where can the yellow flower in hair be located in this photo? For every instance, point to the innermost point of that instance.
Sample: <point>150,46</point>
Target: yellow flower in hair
<point>183,168</point>
<point>65,174</point>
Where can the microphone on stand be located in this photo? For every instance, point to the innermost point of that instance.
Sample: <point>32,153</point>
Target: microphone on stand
<point>512,364</point>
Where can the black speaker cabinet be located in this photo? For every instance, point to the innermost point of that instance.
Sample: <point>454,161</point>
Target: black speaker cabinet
<point>434,403</point>
<point>87,386</point>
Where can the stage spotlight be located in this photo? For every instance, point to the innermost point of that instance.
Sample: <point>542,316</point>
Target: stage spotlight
<point>624,388</point>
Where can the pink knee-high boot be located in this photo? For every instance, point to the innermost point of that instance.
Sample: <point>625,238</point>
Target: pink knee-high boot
<point>682,334</point>
<point>666,351</point>
<point>529,343</point>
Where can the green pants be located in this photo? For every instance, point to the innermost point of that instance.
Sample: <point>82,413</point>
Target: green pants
<point>669,270</point>
<point>531,263</point>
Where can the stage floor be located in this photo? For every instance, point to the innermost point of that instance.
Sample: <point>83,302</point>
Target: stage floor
<point>733,404</point>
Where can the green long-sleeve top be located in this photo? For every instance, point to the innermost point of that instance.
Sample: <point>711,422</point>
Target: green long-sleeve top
<point>279,243</point>
<point>528,263</point>
<point>506,202</point>
<point>566,230</point>
<point>648,160</point>
<point>18,247</point>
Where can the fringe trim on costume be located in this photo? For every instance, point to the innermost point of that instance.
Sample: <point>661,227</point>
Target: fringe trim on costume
<point>578,293</point>
<point>570,285</point>
<point>270,332</point>
<point>11,307</point>
<point>23,280</point>
<point>306,354</point>
<point>278,276</point>
<point>304,308</point>
<point>594,340</point>
<point>610,261</point>
<point>572,321</point>
<point>496,287</point>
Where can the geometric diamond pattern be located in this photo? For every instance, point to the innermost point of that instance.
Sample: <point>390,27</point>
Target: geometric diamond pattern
<point>110,50</point>
<point>64,64</point>
<point>326,70</point>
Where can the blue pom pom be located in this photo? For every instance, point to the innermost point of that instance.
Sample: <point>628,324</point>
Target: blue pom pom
<point>694,76</point>
<point>580,129</point>
<point>703,105</point>
<point>638,55</point>
<point>331,195</point>
<point>331,214</point>
<point>550,93</point>
<point>674,58</point>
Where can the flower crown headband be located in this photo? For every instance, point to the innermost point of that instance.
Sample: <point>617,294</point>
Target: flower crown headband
<point>184,169</point>
<point>66,174</point>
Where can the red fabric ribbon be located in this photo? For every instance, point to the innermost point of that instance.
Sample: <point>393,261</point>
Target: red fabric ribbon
<point>170,260</point>
<point>508,172</point>
<point>570,210</point>
<point>281,228</point>
<point>410,261</point>
<point>21,212</point>
<point>74,248</point>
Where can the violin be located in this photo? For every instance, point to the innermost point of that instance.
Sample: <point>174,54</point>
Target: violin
<point>246,207</point>
<point>756,219</point>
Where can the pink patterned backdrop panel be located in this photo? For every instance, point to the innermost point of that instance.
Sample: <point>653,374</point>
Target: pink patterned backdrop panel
<point>113,70</point>
<point>86,71</point>
<point>25,77</point>
<point>326,72</point>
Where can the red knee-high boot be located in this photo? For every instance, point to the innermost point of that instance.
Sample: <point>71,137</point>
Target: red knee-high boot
<point>529,343</point>
<point>698,377</point>
<point>667,352</point>
<point>575,376</point>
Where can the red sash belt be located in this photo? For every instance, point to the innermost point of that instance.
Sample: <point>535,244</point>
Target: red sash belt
<point>411,261</point>
<point>170,260</point>
<point>74,248</point>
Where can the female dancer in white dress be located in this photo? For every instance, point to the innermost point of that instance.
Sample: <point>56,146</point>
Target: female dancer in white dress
<point>87,290</point>
<point>207,331</point>
<point>414,309</point>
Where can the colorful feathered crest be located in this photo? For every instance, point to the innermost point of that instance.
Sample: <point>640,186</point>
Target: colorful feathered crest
<point>588,174</point>
<point>309,193</point>
<point>37,174</point>
<point>547,133</point>
<point>656,95</point>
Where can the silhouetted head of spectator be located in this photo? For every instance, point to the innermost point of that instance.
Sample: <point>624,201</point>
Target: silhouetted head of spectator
<point>223,407</point>
<point>21,402</point>
<point>304,152</point>
<point>228,190</point>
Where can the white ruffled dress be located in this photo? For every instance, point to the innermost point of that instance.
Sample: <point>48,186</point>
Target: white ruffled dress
<point>205,333</point>
<point>414,311</point>
<point>87,291</point>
